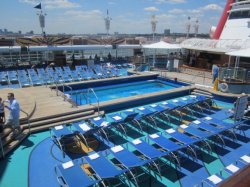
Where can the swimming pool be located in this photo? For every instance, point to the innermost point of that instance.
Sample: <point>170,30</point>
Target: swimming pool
<point>111,92</point>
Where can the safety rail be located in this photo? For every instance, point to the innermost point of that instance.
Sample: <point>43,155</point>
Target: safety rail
<point>79,99</point>
<point>65,96</point>
<point>1,144</point>
<point>97,99</point>
<point>28,120</point>
<point>234,75</point>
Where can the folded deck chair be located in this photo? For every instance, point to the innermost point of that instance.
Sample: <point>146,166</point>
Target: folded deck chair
<point>103,167</point>
<point>184,139</point>
<point>62,136</point>
<point>70,174</point>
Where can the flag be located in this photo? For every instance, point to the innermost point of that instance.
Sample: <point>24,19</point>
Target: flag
<point>39,6</point>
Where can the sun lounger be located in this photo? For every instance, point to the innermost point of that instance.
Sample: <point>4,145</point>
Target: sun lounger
<point>103,167</point>
<point>184,139</point>
<point>70,174</point>
<point>126,157</point>
<point>62,136</point>
<point>147,150</point>
<point>167,145</point>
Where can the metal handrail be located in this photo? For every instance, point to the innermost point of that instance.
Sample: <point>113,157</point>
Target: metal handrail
<point>28,120</point>
<point>71,89</point>
<point>2,147</point>
<point>98,105</point>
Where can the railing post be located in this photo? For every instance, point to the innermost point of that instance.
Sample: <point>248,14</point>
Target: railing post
<point>2,148</point>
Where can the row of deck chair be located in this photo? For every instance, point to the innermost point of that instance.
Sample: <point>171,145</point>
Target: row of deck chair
<point>230,170</point>
<point>147,150</point>
<point>49,76</point>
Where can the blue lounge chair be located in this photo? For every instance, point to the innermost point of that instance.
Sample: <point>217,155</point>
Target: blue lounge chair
<point>146,113</point>
<point>216,128</point>
<point>100,124</point>
<point>70,174</point>
<point>62,136</point>
<point>184,139</point>
<point>202,135</point>
<point>148,151</point>
<point>103,167</point>
<point>128,159</point>
<point>82,129</point>
<point>167,145</point>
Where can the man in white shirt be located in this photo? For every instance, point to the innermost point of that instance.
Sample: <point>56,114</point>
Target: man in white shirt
<point>14,114</point>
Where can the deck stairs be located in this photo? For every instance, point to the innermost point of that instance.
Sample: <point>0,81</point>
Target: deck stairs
<point>201,91</point>
<point>40,124</point>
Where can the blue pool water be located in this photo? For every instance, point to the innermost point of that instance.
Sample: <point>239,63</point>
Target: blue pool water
<point>107,93</point>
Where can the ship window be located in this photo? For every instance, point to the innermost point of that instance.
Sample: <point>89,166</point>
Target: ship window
<point>240,14</point>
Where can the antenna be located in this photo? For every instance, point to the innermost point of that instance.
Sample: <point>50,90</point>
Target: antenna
<point>153,24</point>
<point>107,20</point>
<point>41,17</point>
<point>196,27</point>
<point>188,26</point>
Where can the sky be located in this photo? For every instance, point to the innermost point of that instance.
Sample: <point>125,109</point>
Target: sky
<point>128,16</point>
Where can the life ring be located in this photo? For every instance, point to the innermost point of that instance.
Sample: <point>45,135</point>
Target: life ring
<point>223,87</point>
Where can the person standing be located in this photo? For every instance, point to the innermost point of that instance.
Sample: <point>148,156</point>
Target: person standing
<point>14,113</point>
<point>215,72</point>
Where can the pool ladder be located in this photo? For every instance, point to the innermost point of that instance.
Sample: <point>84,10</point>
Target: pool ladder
<point>97,99</point>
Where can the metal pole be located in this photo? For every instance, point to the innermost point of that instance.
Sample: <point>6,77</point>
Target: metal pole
<point>2,147</point>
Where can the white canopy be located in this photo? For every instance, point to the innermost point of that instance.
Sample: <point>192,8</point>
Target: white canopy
<point>161,45</point>
<point>240,53</point>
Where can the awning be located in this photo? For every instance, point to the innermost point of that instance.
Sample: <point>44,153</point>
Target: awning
<point>161,45</point>
<point>240,53</point>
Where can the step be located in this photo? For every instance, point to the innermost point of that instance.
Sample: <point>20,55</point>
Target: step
<point>59,118</point>
<point>10,143</point>
<point>202,91</point>
<point>48,126</point>
<point>61,114</point>
<point>5,133</point>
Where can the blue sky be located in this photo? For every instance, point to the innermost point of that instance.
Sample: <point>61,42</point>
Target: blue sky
<point>128,16</point>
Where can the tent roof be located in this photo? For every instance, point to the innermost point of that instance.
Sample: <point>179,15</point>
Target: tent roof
<point>240,53</point>
<point>161,45</point>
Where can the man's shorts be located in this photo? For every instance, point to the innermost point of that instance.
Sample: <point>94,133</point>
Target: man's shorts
<point>13,122</point>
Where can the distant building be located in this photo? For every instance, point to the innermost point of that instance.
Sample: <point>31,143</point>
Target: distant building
<point>166,32</point>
